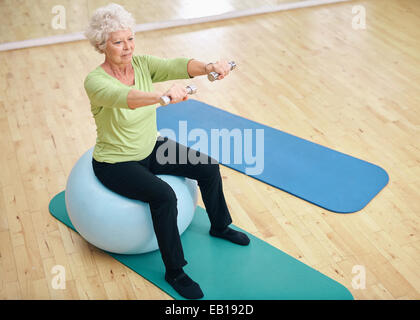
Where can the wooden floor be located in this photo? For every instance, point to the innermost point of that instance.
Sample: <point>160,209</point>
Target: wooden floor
<point>27,19</point>
<point>306,72</point>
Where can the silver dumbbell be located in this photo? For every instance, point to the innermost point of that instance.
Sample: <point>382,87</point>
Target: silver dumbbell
<point>165,100</point>
<point>212,76</point>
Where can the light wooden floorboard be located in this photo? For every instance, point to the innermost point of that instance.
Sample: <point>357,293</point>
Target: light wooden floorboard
<point>305,72</point>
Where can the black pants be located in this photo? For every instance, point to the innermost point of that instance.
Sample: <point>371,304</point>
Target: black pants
<point>138,180</point>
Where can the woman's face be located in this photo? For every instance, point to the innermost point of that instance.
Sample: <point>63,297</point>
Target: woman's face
<point>120,46</point>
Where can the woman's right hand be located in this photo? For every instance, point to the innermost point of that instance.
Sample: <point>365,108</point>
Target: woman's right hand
<point>177,93</point>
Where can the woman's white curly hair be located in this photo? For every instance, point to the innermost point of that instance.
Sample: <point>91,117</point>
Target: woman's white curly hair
<point>105,20</point>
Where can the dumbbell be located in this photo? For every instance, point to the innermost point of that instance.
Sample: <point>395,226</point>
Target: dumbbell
<point>165,100</point>
<point>212,76</point>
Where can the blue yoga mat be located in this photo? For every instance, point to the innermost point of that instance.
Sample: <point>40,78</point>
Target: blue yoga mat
<point>226,271</point>
<point>322,176</point>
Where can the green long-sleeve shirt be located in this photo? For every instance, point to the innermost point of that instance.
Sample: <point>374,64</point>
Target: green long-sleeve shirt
<point>124,134</point>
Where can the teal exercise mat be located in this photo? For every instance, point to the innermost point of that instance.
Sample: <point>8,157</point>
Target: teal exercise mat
<point>226,271</point>
<point>317,174</point>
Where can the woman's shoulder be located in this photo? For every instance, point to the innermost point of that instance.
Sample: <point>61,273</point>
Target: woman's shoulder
<point>95,72</point>
<point>95,77</point>
<point>145,59</point>
<point>141,59</point>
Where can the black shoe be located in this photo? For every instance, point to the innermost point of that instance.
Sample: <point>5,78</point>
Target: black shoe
<point>231,235</point>
<point>190,291</point>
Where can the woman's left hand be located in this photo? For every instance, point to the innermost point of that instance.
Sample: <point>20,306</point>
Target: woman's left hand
<point>222,67</point>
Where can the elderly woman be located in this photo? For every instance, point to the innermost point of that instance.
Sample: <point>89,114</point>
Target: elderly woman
<point>123,104</point>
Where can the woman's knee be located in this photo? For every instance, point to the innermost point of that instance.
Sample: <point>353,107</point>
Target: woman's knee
<point>165,195</point>
<point>210,171</point>
<point>213,168</point>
